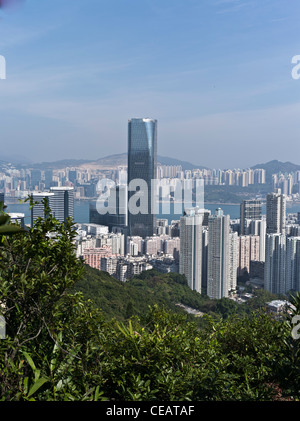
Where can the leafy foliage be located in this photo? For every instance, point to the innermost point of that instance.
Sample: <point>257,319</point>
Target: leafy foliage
<point>61,346</point>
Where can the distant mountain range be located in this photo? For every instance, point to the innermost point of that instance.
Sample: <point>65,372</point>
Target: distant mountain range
<point>113,161</point>
<point>275,166</point>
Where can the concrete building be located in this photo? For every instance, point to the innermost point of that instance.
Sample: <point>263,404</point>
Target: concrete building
<point>218,255</point>
<point>248,250</point>
<point>249,210</point>
<point>275,263</point>
<point>38,210</point>
<point>276,212</point>
<point>292,267</point>
<point>190,260</point>
<point>62,203</point>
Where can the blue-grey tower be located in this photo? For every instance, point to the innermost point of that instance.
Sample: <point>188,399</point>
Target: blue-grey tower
<point>142,165</point>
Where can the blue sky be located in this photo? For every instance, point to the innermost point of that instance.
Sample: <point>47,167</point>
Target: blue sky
<point>216,74</point>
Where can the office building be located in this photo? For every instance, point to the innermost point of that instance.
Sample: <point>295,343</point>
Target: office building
<point>62,203</point>
<point>38,210</point>
<point>35,178</point>
<point>142,165</point>
<point>17,218</point>
<point>190,259</point>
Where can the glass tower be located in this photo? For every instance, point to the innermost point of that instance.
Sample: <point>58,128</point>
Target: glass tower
<point>142,163</point>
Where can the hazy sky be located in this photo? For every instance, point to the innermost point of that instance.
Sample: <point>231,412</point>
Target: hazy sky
<point>216,74</point>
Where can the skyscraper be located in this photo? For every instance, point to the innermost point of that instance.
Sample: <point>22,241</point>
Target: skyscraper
<point>62,203</point>
<point>276,212</point>
<point>292,273</point>
<point>218,255</point>
<point>35,178</point>
<point>233,261</point>
<point>38,210</point>
<point>190,258</point>
<point>250,209</point>
<point>275,263</point>
<point>142,166</point>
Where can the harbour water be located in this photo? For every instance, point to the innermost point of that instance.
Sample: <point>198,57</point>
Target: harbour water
<point>81,210</point>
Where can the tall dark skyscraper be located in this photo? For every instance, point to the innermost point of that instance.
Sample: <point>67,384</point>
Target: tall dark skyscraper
<point>142,164</point>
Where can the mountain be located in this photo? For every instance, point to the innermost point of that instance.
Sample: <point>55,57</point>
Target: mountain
<point>276,166</point>
<point>163,160</point>
<point>63,163</point>
<point>110,161</point>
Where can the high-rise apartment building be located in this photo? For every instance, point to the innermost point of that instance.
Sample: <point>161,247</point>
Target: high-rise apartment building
<point>142,167</point>
<point>276,212</point>
<point>258,227</point>
<point>292,272</point>
<point>233,261</point>
<point>218,255</point>
<point>250,209</point>
<point>275,263</point>
<point>248,250</point>
<point>190,258</point>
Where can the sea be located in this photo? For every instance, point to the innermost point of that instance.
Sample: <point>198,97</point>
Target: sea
<point>81,210</point>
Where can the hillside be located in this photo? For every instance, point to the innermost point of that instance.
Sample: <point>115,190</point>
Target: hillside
<point>275,166</point>
<point>122,300</point>
<point>110,161</point>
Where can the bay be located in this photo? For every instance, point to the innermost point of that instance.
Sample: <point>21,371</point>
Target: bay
<point>81,210</point>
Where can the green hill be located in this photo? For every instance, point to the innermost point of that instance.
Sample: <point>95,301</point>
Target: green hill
<point>121,300</point>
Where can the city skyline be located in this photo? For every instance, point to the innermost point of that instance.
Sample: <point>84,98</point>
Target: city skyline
<point>217,77</point>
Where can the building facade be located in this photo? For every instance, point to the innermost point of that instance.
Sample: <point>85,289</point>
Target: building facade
<point>142,166</point>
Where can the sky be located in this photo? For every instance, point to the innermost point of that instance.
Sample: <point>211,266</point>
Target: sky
<point>216,74</point>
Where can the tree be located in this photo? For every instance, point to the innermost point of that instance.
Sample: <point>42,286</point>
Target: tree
<point>38,268</point>
<point>6,228</point>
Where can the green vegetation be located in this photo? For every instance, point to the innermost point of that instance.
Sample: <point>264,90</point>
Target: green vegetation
<point>60,346</point>
<point>120,300</point>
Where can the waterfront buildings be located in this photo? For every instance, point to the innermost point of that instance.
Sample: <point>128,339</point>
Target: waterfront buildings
<point>62,203</point>
<point>38,210</point>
